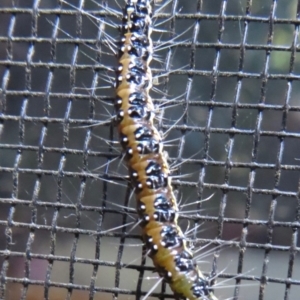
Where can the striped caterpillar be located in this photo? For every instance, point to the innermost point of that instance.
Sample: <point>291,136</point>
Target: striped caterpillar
<point>147,162</point>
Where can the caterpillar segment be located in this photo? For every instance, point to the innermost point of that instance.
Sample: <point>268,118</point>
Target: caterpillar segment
<point>147,161</point>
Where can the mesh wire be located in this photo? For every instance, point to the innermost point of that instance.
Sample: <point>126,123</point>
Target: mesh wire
<point>227,86</point>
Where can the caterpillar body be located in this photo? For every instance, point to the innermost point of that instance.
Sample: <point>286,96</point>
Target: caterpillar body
<point>147,162</point>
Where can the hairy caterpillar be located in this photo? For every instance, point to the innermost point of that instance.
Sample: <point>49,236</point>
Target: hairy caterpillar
<point>146,160</point>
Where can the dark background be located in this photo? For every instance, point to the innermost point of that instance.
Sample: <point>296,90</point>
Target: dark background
<point>226,85</point>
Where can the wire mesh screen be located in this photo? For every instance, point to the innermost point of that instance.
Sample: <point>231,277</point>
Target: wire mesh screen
<point>226,85</point>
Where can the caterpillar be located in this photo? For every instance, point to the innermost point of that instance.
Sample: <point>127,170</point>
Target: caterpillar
<point>147,161</point>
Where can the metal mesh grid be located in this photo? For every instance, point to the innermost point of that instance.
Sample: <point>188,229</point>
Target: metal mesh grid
<point>232,114</point>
